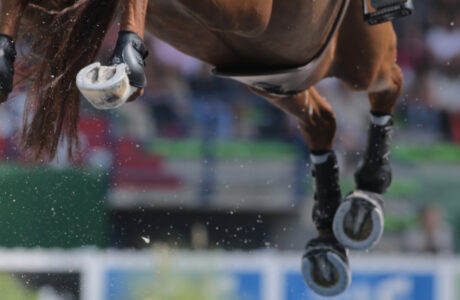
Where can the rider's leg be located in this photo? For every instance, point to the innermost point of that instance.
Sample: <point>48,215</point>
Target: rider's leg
<point>10,16</point>
<point>243,17</point>
<point>318,125</point>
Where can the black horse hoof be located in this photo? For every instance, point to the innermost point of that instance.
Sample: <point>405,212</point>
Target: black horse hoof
<point>325,267</point>
<point>358,222</point>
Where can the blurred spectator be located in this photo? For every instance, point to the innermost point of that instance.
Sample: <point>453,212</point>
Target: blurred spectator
<point>432,236</point>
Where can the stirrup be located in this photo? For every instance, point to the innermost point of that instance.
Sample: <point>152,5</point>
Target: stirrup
<point>387,10</point>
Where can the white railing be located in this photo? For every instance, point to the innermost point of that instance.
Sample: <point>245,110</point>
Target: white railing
<point>267,275</point>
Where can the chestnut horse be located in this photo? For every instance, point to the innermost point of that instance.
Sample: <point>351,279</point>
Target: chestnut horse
<point>279,48</point>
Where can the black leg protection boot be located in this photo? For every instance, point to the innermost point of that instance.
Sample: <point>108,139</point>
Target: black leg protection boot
<point>7,58</point>
<point>359,222</point>
<point>327,191</point>
<point>374,171</point>
<point>130,49</point>
<point>325,266</point>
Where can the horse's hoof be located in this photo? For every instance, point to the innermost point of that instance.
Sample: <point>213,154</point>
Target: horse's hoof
<point>358,222</point>
<point>325,268</point>
<point>105,87</point>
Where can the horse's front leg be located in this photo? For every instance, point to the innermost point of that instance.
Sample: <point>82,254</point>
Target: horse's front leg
<point>325,264</point>
<point>10,16</point>
<point>108,87</point>
<point>359,221</point>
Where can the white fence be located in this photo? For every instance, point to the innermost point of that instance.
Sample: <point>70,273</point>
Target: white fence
<point>256,275</point>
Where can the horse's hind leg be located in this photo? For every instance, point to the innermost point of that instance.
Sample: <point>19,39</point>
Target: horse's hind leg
<point>10,16</point>
<point>125,79</point>
<point>324,265</point>
<point>369,65</point>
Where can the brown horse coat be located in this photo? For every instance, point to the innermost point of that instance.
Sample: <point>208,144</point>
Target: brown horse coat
<point>232,35</point>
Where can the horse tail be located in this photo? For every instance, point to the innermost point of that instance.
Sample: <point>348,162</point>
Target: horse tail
<point>64,37</point>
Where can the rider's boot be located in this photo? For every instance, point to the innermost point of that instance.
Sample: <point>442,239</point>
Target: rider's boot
<point>359,221</point>
<point>325,266</point>
<point>108,87</point>
<point>7,58</point>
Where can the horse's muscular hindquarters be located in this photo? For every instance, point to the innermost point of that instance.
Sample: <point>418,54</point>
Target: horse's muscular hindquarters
<point>248,18</point>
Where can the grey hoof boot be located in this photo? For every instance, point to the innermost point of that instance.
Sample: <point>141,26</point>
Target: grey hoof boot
<point>359,222</point>
<point>325,267</point>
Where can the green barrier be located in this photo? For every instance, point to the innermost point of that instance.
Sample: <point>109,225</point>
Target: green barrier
<point>439,153</point>
<point>45,207</point>
<point>235,149</point>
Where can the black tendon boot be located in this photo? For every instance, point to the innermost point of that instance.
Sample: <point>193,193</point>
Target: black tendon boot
<point>325,264</point>
<point>327,190</point>
<point>359,222</point>
<point>374,171</point>
<point>7,58</point>
<point>130,49</point>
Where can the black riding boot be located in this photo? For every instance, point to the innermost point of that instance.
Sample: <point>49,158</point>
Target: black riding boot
<point>374,170</point>
<point>130,49</point>
<point>7,58</point>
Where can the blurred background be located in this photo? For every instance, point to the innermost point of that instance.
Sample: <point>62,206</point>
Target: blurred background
<point>201,190</point>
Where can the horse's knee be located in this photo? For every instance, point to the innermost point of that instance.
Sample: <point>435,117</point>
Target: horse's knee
<point>318,124</point>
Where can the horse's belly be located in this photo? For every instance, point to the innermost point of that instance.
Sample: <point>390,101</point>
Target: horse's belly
<point>297,31</point>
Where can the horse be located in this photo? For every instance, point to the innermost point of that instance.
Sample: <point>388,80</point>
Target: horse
<point>279,49</point>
